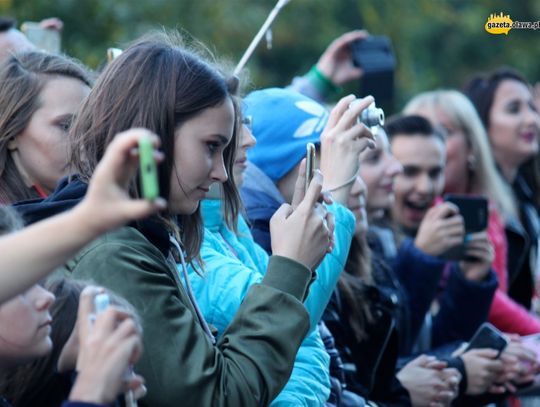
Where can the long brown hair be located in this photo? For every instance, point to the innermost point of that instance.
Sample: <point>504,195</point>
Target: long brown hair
<point>22,77</point>
<point>353,284</point>
<point>158,85</point>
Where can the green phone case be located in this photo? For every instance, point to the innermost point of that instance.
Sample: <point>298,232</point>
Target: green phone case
<point>148,170</point>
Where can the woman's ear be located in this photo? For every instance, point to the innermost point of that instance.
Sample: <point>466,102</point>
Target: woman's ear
<point>12,143</point>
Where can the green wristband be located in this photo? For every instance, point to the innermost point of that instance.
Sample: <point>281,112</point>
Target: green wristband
<point>321,82</point>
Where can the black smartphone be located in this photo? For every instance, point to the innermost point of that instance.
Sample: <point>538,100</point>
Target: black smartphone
<point>310,163</point>
<point>375,56</point>
<point>487,336</point>
<point>474,210</point>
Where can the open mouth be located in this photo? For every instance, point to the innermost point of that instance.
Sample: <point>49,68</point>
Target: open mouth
<point>417,206</point>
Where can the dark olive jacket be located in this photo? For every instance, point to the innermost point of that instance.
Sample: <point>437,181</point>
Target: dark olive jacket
<point>252,360</point>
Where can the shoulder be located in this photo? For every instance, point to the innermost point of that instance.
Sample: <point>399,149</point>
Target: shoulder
<point>124,240</point>
<point>115,253</point>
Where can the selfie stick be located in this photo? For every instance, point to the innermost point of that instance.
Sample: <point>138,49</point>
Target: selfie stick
<point>269,20</point>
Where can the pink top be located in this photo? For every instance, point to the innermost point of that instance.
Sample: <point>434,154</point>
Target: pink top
<point>505,313</point>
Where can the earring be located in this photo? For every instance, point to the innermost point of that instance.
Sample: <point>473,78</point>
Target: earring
<point>471,163</point>
<point>12,144</point>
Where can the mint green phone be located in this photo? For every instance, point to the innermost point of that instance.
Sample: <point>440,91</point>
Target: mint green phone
<point>148,169</point>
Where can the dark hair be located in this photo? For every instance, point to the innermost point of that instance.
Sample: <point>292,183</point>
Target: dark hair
<point>10,221</point>
<point>411,125</point>
<point>482,88</point>
<point>7,23</point>
<point>22,77</point>
<point>353,284</point>
<point>38,382</point>
<point>157,85</point>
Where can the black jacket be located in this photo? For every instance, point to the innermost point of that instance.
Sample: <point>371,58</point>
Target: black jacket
<point>370,364</point>
<point>522,240</point>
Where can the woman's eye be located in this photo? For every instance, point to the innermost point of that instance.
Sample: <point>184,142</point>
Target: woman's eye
<point>513,107</point>
<point>64,125</point>
<point>212,147</point>
<point>373,159</point>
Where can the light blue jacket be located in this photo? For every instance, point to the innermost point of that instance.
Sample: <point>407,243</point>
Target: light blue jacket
<point>234,262</point>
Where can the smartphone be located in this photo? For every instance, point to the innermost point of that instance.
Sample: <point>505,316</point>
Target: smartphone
<point>310,163</point>
<point>148,169</point>
<point>487,336</point>
<point>474,210</point>
<point>101,302</point>
<point>113,53</point>
<point>46,39</point>
<point>375,56</point>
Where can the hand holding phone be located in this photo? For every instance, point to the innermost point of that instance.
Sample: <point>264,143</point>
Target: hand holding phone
<point>101,303</point>
<point>474,211</point>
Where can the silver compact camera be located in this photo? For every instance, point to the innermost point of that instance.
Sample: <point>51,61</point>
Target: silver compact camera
<point>372,116</point>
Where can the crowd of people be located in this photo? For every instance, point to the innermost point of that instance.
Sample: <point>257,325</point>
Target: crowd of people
<point>239,285</point>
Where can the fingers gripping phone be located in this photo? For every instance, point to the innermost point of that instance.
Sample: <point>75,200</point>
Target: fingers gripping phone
<point>474,210</point>
<point>487,336</point>
<point>101,303</point>
<point>310,163</point>
<point>148,169</point>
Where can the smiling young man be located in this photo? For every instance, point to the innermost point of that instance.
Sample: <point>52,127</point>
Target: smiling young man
<point>421,152</point>
<point>430,230</point>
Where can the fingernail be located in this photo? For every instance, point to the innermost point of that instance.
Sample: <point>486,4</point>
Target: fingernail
<point>160,203</point>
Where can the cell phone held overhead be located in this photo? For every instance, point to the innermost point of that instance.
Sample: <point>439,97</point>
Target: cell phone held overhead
<point>375,56</point>
<point>46,39</point>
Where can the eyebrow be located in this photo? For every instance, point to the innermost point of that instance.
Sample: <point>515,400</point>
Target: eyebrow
<point>222,139</point>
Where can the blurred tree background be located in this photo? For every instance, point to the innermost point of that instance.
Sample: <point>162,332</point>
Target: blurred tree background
<point>438,43</point>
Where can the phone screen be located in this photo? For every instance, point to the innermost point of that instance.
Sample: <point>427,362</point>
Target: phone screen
<point>46,39</point>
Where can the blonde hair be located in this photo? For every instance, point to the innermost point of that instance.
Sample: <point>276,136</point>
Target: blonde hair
<point>485,179</point>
